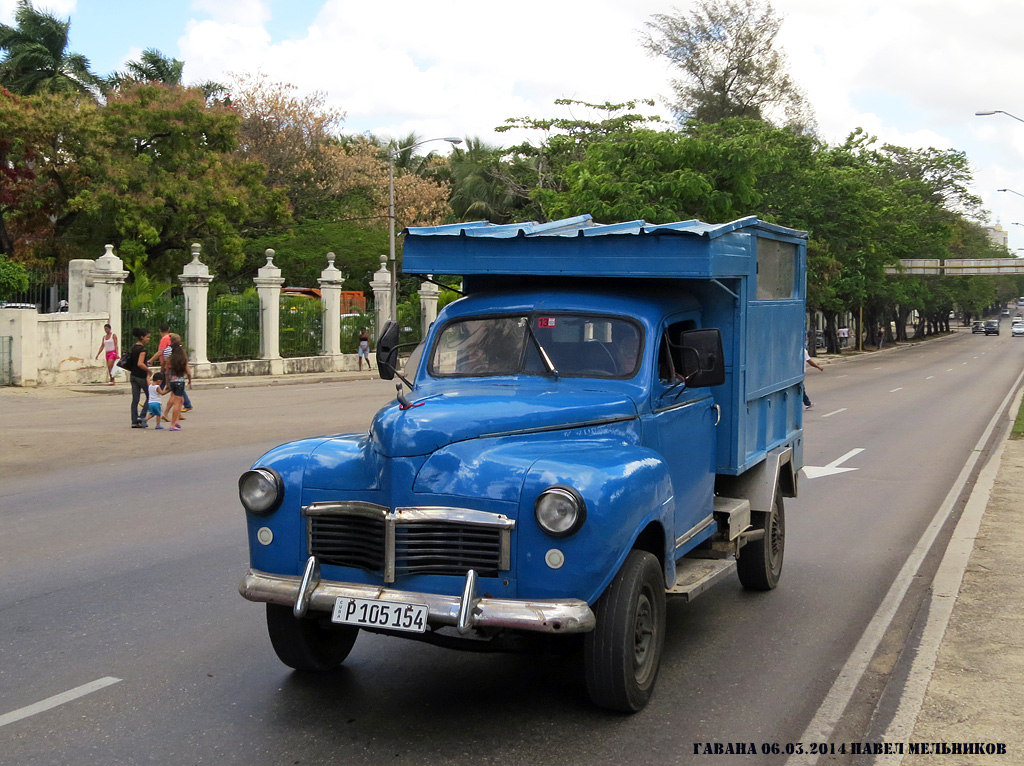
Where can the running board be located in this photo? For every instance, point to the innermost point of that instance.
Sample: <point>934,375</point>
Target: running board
<point>694,576</point>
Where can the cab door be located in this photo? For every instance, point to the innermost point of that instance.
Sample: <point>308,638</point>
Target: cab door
<point>681,427</point>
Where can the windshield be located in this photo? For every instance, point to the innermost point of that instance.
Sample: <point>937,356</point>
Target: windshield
<point>578,345</point>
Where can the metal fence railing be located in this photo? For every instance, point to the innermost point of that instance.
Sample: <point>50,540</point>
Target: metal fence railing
<point>48,290</point>
<point>233,329</point>
<point>302,327</point>
<point>6,360</point>
<point>169,311</point>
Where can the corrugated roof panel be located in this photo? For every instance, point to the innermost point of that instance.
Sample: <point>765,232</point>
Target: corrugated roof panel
<point>585,225</point>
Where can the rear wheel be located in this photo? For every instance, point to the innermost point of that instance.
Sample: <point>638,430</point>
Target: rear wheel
<point>623,653</point>
<point>308,643</point>
<point>760,562</point>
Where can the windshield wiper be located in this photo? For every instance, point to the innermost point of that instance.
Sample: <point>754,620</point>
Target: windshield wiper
<point>543,354</point>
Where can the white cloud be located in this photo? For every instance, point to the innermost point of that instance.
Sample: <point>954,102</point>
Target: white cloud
<point>438,69</point>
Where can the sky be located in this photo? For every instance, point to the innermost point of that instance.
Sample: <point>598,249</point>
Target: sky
<point>911,72</point>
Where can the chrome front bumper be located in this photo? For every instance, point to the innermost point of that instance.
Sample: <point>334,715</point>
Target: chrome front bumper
<point>465,613</point>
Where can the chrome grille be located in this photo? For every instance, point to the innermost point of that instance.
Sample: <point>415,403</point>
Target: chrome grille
<point>348,541</point>
<point>453,549</point>
<point>409,541</point>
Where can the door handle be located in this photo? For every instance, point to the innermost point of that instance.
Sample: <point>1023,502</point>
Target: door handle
<point>718,413</point>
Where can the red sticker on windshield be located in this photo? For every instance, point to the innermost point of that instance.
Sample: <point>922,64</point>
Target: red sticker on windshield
<point>546,322</point>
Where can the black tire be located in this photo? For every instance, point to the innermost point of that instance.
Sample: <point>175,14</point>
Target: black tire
<point>308,643</point>
<point>623,653</point>
<point>760,562</point>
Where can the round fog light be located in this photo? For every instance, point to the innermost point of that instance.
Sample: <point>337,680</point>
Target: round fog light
<point>560,511</point>
<point>265,535</point>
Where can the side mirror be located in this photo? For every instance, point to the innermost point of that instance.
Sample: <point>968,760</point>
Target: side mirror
<point>387,351</point>
<point>702,358</point>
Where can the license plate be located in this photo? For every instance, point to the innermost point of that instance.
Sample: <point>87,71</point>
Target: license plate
<point>369,613</point>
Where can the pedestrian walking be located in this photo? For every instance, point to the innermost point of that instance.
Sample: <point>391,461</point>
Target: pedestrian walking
<point>138,374</point>
<point>108,346</point>
<point>165,357</point>
<point>364,348</point>
<point>156,392</point>
<point>881,337</point>
<point>808,360</point>
<point>179,373</point>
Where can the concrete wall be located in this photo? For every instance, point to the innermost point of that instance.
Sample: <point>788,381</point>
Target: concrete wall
<point>54,348</point>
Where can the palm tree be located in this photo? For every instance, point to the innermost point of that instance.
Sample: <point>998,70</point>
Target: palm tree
<point>154,66</point>
<point>36,58</point>
<point>481,187</point>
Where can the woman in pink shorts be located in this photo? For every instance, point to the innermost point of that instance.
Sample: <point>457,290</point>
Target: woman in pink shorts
<point>109,346</point>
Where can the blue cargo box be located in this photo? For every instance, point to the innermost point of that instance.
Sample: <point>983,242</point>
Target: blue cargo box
<point>748,275</point>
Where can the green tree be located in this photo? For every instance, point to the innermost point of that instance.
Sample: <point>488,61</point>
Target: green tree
<point>55,148</point>
<point>36,58</point>
<point>13,278</point>
<point>172,177</point>
<point>730,65</point>
<point>533,167</point>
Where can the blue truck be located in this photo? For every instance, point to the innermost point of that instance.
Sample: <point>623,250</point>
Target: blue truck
<point>609,417</point>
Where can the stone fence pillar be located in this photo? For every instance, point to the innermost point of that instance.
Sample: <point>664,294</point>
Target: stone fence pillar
<point>94,287</point>
<point>195,279</point>
<point>331,281</point>
<point>268,284</point>
<point>381,286</point>
<point>429,293</point>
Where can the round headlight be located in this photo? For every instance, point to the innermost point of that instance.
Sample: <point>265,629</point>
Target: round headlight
<point>260,491</point>
<point>560,511</point>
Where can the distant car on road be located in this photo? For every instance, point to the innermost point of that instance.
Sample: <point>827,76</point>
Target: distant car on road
<point>1017,331</point>
<point>992,327</point>
<point>978,326</point>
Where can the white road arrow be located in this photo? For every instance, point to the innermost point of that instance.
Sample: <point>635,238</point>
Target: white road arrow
<point>814,471</point>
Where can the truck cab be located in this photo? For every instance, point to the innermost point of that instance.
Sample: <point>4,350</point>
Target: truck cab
<point>611,416</point>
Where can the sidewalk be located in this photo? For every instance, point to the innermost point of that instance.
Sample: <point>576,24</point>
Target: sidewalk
<point>239,381</point>
<point>975,694</point>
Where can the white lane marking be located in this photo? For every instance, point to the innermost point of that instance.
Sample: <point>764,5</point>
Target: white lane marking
<point>57,699</point>
<point>823,724</point>
<point>814,471</point>
<point>894,390</point>
<point>835,412</point>
<point>929,377</point>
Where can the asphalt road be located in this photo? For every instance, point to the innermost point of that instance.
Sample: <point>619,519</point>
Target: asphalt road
<point>121,561</point>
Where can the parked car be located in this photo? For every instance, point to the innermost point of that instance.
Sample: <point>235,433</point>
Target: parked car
<point>992,327</point>
<point>978,326</point>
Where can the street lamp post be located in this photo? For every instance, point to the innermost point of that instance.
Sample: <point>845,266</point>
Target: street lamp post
<point>391,214</point>
<point>997,111</point>
<point>1011,192</point>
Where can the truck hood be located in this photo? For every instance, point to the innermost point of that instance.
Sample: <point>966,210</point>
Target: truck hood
<point>492,410</point>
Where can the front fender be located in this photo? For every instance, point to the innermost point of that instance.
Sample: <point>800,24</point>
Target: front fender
<point>625,490</point>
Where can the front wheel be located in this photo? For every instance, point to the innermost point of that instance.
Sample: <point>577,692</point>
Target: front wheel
<point>623,653</point>
<point>307,643</point>
<point>760,562</point>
